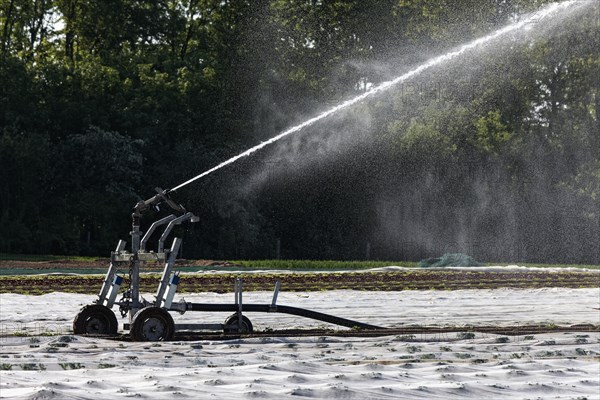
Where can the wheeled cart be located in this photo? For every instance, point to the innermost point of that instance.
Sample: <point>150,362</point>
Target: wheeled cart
<point>151,320</point>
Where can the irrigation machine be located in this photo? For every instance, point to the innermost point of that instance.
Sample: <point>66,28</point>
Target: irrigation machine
<point>151,320</point>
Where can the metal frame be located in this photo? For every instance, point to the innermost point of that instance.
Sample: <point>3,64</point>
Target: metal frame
<point>131,302</point>
<point>152,228</point>
<point>185,217</point>
<point>238,307</point>
<point>112,268</point>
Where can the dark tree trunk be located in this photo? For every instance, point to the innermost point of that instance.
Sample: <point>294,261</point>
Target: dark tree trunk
<point>8,24</point>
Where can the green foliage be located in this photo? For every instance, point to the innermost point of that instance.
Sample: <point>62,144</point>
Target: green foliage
<point>23,174</point>
<point>492,134</point>
<point>308,265</point>
<point>425,140</point>
<point>38,257</point>
<point>465,335</point>
<point>102,101</point>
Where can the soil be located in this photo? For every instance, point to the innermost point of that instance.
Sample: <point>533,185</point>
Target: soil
<point>395,281</point>
<point>409,332</point>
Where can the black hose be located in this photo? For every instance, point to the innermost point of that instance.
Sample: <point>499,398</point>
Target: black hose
<point>302,312</point>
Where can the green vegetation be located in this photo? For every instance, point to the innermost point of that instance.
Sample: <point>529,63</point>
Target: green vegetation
<point>102,101</point>
<point>310,265</point>
<point>402,279</point>
<point>463,356</point>
<point>68,366</point>
<point>41,257</point>
<point>33,367</point>
<point>249,265</point>
<point>465,335</point>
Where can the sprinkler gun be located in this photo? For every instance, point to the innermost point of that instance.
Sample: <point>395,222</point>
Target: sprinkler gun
<point>154,202</point>
<point>142,206</point>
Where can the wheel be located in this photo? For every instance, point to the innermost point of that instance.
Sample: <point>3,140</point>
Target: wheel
<point>152,324</point>
<point>95,319</point>
<point>231,325</point>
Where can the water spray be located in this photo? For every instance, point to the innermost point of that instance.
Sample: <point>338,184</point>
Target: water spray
<point>543,13</point>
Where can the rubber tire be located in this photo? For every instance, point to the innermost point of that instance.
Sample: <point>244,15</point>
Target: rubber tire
<point>149,318</point>
<point>231,324</point>
<point>95,319</point>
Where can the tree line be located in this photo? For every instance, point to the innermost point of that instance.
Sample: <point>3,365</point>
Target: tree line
<point>496,154</point>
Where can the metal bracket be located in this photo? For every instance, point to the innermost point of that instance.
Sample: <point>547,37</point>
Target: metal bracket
<point>114,290</point>
<point>151,256</point>
<point>164,281</point>
<point>273,306</point>
<point>181,306</point>
<point>152,228</point>
<point>173,282</point>
<point>187,216</point>
<point>239,283</point>
<point>108,279</point>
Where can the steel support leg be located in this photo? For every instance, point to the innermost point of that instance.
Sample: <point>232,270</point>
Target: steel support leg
<point>108,279</point>
<point>169,264</point>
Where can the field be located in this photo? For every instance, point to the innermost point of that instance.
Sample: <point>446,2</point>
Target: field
<point>488,332</point>
<point>86,276</point>
<point>367,280</point>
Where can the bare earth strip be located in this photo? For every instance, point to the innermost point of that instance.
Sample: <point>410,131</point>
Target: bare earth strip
<point>403,279</point>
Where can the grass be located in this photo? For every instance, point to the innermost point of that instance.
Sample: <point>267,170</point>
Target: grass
<point>311,265</point>
<point>38,257</point>
<point>293,264</point>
